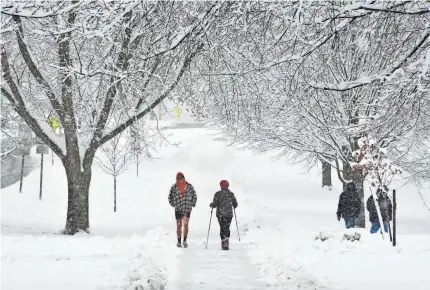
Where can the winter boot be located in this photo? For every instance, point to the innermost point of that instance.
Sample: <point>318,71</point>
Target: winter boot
<point>227,244</point>
<point>185,244</point>
<point>224,244</point>
<point>178,244</point>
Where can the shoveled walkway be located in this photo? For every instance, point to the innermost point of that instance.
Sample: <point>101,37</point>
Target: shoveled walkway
<point>214,269</point>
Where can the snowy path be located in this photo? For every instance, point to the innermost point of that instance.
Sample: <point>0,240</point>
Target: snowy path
<point>214,269</point>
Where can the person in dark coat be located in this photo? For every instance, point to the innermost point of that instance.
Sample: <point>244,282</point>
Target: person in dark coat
<point>385,207</point>
<point>349,206</point>
<point>183,198</point>
<point>224,201</point>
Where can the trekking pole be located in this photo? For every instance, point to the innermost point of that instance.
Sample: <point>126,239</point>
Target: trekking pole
<point>207,240</point>
<point>389,230</point>
<point>236,223</point>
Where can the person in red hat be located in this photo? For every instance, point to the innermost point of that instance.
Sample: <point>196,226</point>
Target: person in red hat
<point>183,198</point>
<point>224,202</point>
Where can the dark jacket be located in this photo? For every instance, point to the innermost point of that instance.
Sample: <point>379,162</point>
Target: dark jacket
<point>183,203</point>
<point>349,204</point>
<point>224,200</point>
<point>385,206</point>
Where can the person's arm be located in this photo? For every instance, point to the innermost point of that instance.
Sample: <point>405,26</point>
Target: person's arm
<point>194,195</point>
<point>214,203</point>
<point>171,196</point>
<point>368,203</point>
<point>234,201</point>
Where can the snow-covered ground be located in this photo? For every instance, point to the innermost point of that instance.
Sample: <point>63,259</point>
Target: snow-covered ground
<point>282,209</point>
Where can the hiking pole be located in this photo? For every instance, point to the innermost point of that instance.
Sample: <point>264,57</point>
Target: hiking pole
<point>236,223</point>
<point>207,240</point>
<point>389,230</point>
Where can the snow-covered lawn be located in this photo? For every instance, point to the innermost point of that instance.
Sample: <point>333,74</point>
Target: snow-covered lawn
<point>86,261</point>
<point>282,209</point>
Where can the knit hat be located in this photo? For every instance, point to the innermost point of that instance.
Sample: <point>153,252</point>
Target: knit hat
<point>224,184</point>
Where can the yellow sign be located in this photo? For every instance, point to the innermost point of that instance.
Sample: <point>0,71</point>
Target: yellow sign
<point>53,123</point>
<point>177,112</point>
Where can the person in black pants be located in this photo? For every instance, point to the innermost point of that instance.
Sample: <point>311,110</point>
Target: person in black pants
<point>224,201</point>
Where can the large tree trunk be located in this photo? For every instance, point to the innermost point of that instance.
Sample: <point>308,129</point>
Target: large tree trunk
<point>326,174</point>
<point>356,176</point>
<point>78,199</point>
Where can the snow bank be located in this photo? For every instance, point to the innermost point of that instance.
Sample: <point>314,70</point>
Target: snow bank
<point>339,259</point>
<point>87,262</point>
<point>156,264</point>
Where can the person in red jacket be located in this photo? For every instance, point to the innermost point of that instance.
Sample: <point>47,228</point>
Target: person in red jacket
<point>183,198</point>
<point>224,201</point>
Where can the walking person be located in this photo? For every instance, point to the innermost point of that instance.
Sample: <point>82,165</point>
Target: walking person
<point>349,206</point>
<point>183,198</point>
<point>224,201</point>
<point>386,208</point>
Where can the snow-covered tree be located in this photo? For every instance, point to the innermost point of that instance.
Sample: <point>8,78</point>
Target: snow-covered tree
<point>315,77</point>
<point>115,160</point>
<point>79,58</point>
<point>378,168</point>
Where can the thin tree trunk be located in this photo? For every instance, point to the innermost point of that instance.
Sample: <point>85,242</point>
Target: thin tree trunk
<point>326,174</point>
<point>114,193</point>
<point>361,220</point>
<point>137,165</point>
<point>41,174</point>
<point>22,173</point>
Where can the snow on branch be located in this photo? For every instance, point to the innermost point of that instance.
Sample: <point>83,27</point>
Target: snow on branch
<point>29,9</point>
<point>374,161</point>
<point>345,86</point>
<point>381,8</point>
<point>25,109</point>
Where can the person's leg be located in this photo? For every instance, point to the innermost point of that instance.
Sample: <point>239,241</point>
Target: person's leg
<point>349,222</point>
<point>224,232</point>
<point>179,229</point>
<point>227,226</point>
<point>186,221</point>
<point>221,228</point>
<point>386,227</point>
<point>227,232</point>
<point>375,227</point>
<point>178,217</point>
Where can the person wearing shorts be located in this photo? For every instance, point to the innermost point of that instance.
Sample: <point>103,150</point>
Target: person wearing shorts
<point>183,198</point>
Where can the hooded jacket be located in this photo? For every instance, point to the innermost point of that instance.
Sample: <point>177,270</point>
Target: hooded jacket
<point>385,206</point>
<point>182,201</point>
<point>349,203</point>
